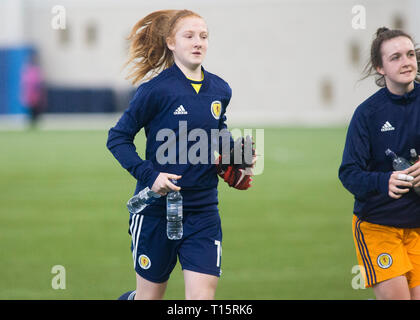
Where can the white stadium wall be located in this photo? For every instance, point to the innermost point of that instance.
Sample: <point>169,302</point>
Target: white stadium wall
<point>288,62</point>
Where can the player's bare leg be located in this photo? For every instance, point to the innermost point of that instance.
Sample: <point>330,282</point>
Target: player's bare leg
<point>415,293</point>
<point>199,286</point>
<point>392,289</point>
<point>147,290</point>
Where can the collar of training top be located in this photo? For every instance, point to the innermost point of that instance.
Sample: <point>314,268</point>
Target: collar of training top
<point>406,97</point>
<point>179,74</point>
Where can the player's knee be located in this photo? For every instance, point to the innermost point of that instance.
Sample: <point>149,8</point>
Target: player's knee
<point>415,293</point>
<point>200,294</point>
<point>199,286</point>
<point>148,290</point>
<point>392,289</point>
<point>148,295</point>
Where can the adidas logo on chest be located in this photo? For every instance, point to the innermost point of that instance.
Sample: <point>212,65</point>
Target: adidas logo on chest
<point>387,127</point>
<point>180,110</point>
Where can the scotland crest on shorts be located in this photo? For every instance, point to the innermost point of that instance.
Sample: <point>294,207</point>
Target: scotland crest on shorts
<point>384,260</point>
<point>144,262</point>
<point>216,109</point>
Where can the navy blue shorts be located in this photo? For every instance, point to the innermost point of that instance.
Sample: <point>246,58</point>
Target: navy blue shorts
<point>155,256</point>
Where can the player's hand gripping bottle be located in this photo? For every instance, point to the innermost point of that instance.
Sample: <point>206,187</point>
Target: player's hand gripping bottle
<point>400,163</point>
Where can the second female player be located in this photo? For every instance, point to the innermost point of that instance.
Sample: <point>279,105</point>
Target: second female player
<point>386,220</point>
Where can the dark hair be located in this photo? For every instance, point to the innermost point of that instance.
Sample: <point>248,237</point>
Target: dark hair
<point>375,61</point>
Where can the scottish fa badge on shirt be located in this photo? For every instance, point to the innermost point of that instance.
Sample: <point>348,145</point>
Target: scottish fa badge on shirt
<point>216,109</point>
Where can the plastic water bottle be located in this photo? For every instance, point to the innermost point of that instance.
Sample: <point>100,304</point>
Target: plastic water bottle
<point>174,228</point>
<point>398,163</point>
<point>141,200</point>
<point>414,156</point>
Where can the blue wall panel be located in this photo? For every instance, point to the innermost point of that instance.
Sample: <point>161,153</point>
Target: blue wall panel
<point>11,62</point>
<point>3,82</point>
<point>59,99</point>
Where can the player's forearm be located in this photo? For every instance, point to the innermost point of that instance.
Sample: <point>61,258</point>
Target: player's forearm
<point>363,183</point>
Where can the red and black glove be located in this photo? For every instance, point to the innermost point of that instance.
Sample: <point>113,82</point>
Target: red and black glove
<point>237,173</point>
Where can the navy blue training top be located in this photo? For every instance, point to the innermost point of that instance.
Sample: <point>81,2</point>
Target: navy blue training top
<point>383,121</point>
<point>175,118</point>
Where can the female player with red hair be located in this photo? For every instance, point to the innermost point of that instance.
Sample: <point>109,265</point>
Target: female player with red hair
<point>167,49</point>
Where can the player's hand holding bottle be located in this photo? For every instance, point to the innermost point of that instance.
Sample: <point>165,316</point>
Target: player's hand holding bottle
<point>163,185</point>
